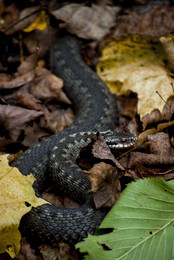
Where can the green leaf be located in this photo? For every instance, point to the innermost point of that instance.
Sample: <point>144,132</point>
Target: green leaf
<point>142,222</point>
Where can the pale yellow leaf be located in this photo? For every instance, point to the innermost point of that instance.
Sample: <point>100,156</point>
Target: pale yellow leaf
<point>136,64</point>
<point>145,81</point>
<point>17,198</point>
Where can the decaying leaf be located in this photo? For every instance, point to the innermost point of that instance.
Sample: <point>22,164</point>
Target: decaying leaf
<point>101,150</point>
<point>138,69</point>
<point>9,83</point>
<point>47,86</point>
<point>25,13</point>
<point>155,19</point>
<point>30,63</point>
<point>60,119</point>
<point>104,177</point>
<point>105,183</point>
<point>14,119</point>
<point>17,198</point>
<point>87,22</point>
<point>142,138</point>
<point>160,152</point>
<point>168,45</point>
<point>33,134</point>
<point>28,101</point>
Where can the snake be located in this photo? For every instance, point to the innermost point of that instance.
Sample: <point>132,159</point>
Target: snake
<point>54,160</point>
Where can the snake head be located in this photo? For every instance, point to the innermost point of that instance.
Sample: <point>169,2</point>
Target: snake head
<point>119,140</point>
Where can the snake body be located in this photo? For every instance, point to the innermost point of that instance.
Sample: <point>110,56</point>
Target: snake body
<point>55,158</point>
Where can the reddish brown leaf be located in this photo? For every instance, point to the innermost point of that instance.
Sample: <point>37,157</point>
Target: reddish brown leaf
<point>29,101</point>
<point>105,184</point>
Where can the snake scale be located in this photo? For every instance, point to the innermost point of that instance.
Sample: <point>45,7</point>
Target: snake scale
<point>55,158</point>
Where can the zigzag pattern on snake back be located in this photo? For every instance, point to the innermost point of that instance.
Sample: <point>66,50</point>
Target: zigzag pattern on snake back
<point>55,158</point>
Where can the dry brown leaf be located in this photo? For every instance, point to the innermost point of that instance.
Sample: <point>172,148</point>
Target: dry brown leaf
<point>17,198</point>
<point>44,38</point>
<point>87,22</point>
<point>62,251</point>
<point>27,21</point>
<point>101,150</point>
<point>161,152</point>
<point>105,184</point>
<point>29,101</point>
<point>14,119</point>
<point>60,119</point>
<point>9,15</point>
<point>29,64</point>
<point>156,19</point>
<point>168,45</point>
<point>47,86</point>
<point>26,252</point>
<point>17,82</point>
<point>33,134</point>
<point>157,116</point>
<point>142,138</point>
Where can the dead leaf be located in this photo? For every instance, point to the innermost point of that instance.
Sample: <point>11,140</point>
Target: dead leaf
<point>139,69</point>
<point>4,142</point>
<point>142,138</point>
<point>30,62</point>
<point>33,134</point>
<point>25,13</point>
<point>105,184</point>
<point>17,198</point>
<point>29,101</point>
<point>17,82</point>
<point>9,16</point>
<point>157,116</point>
<point>47,86</point>
<point>87,22</point>
<point>161,152</point>
<point>101,150</point>
<point>60,119</point>
<point>14,119</point>
<point>40,23</point>
<point>44,38</point>
<point>168,45</point>
<point>62,251</point>
<point>155,19</point>
<point>26,252</point>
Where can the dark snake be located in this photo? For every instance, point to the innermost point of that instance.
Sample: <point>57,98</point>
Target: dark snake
<point>56,157</point>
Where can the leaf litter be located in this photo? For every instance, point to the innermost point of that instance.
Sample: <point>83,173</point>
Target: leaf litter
<point>27,90</point>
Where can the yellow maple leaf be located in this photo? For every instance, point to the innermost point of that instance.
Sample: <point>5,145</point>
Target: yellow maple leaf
<point>17,198</point>
<point>40,23</point>
<point>136,64</point>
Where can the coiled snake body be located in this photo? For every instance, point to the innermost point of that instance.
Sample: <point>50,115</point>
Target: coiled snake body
<point>55,158</point>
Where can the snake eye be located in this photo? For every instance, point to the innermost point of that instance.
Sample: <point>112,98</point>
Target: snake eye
<point>124,140</point>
